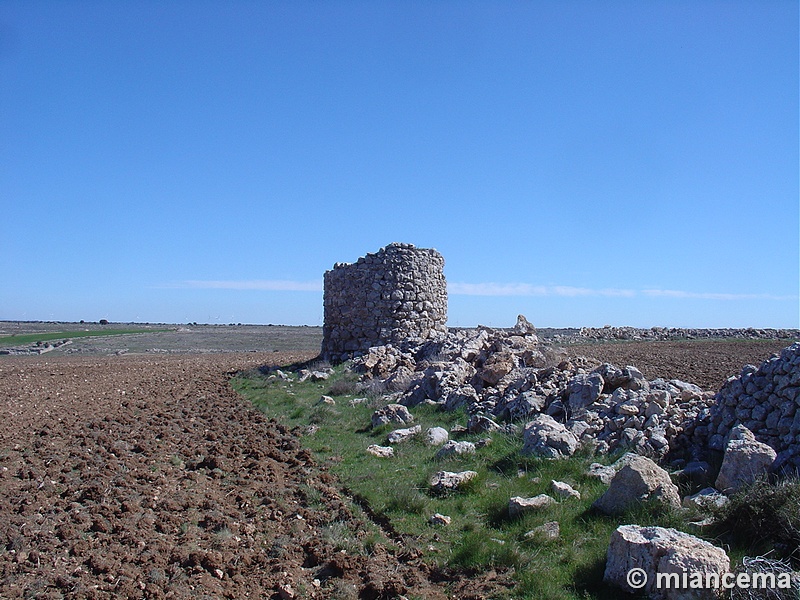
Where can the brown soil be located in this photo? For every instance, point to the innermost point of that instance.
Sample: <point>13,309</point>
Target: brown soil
<point>148,477</point>
<point>706,363</point>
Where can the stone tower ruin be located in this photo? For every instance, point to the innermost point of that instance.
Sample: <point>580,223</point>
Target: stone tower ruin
<point>396,294</point>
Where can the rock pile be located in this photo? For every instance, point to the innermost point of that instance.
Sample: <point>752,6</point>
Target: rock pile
<point>675,333</point>
<point>504,376</point>
<point>766,400</point>
<point>396,294</point>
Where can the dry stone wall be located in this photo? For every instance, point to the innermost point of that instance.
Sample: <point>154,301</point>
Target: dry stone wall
<point>766,400</point>
<point>396,294</point>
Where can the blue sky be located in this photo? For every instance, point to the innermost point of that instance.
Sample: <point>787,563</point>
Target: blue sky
<point>583,163</point>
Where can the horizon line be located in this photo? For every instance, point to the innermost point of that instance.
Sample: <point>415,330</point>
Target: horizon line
<point>491,289</point>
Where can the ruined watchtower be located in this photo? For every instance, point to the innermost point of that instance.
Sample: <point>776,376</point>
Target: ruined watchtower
<point>396,294</point>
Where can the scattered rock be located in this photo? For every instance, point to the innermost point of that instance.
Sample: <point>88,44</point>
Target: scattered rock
<point>436,436</point>
<point>381,451</point>
<point>453,448</point>
<point>639,480</point>
<point>496,367</point>
<point>392,413</point>
<point>546,532</point>
<point>564,490</point>
<point>583,390</point>
<point>439,519</point>
<point>519,505</point>
<point>326,400</point>
<point>398,436</point>
<point>446,481</point>
<point>705,498</point>
<point>523,326</point>
<point>666,552</point>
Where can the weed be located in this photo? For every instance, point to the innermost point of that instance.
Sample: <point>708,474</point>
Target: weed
<point>763,517</point>
<point>322,414</point>
<point>221,537</point>
<point>405,498</point>
<point>341,590</point>
<point>339,535</point>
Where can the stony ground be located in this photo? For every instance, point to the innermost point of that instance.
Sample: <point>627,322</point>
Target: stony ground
<point>145,476</point>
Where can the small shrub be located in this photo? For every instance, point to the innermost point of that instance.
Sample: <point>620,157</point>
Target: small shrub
<point>341,590</point>
<point>763,517</point>
<point>322,414</point>
<point>344,386</point>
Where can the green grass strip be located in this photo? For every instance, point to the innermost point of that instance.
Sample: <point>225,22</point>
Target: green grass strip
<point>482,535</point>
<point>32,338</point>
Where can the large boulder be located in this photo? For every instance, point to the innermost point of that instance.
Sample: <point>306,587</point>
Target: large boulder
<point>662,556</point>
<point>639,480</point>
<point>546,437</point>
<point>745,460</point>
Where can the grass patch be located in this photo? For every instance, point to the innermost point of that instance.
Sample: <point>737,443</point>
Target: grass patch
<point>33,338</point>
<point>482,535</point>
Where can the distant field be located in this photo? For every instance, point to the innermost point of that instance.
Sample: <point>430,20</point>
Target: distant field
<point>139,338</point>
<point>33,338</point>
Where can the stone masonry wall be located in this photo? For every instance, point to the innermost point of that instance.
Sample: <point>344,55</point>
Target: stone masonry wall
<point>395,294</point>
<point>766,400</point>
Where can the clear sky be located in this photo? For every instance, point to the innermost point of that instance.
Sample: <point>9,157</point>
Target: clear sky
<point>580,162</point>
